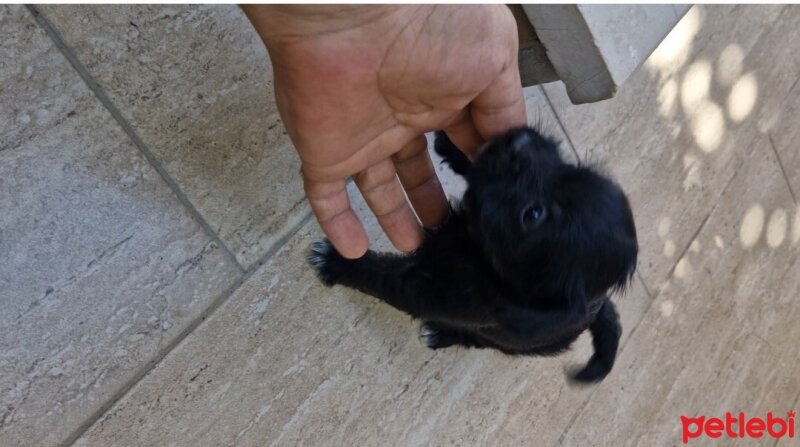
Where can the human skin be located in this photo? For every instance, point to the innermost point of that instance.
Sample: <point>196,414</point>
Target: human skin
<point>357,87</point>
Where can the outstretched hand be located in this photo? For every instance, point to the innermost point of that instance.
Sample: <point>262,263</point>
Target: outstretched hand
<point>358,86</point>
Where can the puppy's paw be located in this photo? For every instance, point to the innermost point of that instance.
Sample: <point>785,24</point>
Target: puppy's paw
<point>326,261</point>
<point>436,337</point>
<point>429,335</point>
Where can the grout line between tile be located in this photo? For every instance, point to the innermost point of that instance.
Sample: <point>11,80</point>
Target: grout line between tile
<point>151,364</point>
<point>644,284</point>
<point>783,170</point>
<point>560,124</point>
<point>690,240</point>
<point>130,132</point>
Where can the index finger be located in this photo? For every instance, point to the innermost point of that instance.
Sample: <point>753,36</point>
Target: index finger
<point>338,221</point>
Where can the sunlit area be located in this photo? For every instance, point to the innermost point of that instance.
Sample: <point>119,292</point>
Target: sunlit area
<point>743,96</point>
<point>675,50</point>
<point>776,228</point>
<point>752,226</point>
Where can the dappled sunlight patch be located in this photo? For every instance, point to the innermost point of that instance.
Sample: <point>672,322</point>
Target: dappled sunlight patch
<point>675,131</point>
<point>666,308</point>
<point>729,64</point>
<point>708,126</point>
<point>695,246</point>
<point>777,228</point>
<point>689,160</point>
<point>743,97</point>
<point>752,225</point>
<point>683,268</point>
<point>696,84</point>
<point>667,97</point>
<point>692,176</point>
<point>669,248</point>
<point>664,225</point>
<point>673,52</point>
<point>718,242</point>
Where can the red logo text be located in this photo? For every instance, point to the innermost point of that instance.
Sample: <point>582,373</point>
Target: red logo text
<point>738,426</point>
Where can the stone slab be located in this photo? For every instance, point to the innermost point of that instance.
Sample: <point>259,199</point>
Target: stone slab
<point>100,266</point>
<point>195,83</point>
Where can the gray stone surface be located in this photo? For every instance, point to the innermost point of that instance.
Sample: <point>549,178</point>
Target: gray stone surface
<point>667,137</point>
<point>100,267</point>
<point>31,89</point>
<point>196,84</point>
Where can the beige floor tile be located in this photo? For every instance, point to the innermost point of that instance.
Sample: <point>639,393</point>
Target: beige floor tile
<point>721,334</point>
<point>196,84</point>
<point>668,136</point>
<point>27,103</point>
<point>100,267</point>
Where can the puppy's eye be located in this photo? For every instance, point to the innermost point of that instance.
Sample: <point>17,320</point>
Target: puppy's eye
<point>533,215</point>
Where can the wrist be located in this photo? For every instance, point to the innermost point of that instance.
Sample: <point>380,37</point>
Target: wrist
<point>285,23</point>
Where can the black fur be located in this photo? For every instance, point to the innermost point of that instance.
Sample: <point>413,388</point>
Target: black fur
<point>523,264</point>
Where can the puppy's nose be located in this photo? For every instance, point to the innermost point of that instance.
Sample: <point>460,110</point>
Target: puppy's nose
<point>520,141</point>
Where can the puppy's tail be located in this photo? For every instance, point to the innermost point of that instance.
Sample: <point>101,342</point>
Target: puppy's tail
<point>606,332</point>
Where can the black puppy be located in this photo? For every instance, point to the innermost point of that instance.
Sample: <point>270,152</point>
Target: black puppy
<point>523,264</point>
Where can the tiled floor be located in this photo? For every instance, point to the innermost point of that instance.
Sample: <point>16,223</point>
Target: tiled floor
<point>152,230</point>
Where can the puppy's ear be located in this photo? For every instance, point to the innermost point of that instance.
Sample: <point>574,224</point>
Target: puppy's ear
<point>620,265</point>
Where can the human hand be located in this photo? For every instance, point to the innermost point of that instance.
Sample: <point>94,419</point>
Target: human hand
<point>358,86</point>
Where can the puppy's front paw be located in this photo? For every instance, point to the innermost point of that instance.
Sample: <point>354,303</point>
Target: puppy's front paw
<point>326,261</point>
<point>436,337</point>
<point>429,335</point>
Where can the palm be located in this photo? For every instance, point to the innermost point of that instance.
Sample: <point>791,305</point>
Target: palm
<point>358,101</point>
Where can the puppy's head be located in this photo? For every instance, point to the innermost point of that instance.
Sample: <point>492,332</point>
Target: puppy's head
<point>550,229</point>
